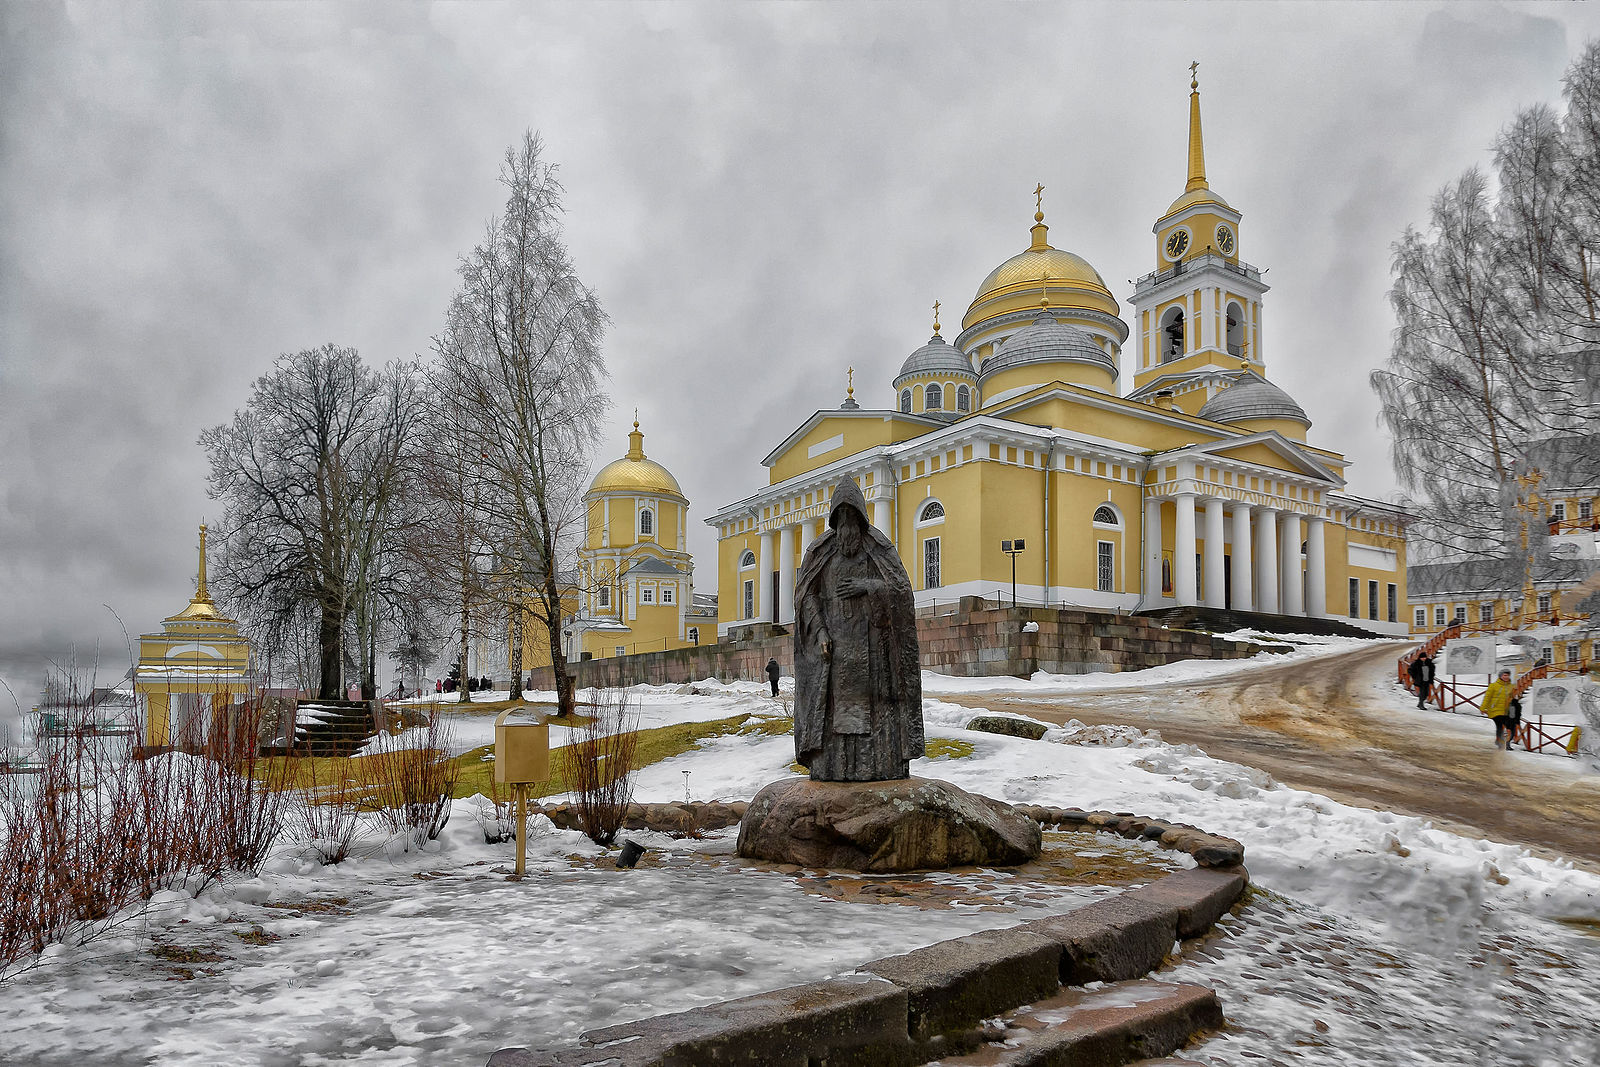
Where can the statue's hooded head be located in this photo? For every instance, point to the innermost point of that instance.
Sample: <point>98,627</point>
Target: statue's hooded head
<point>847,498</point>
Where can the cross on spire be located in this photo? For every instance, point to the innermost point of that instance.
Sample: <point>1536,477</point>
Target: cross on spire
<point>936,318</point>
<point>1194,75</point>
<point>1038,203</point>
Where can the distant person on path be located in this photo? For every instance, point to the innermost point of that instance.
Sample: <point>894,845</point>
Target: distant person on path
<point>1497,705</point>
<point>1422,672</point>
<point>772,674</point>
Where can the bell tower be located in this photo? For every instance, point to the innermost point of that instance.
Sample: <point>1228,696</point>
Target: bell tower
<point>1197,316</point>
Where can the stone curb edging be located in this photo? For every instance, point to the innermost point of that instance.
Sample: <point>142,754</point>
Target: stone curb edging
<point>930,1003</point>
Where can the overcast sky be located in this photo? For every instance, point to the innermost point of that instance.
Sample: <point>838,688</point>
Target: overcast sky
<point>761,195</point>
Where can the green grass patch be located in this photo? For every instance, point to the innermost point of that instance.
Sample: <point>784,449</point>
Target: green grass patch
<point>948,748</point>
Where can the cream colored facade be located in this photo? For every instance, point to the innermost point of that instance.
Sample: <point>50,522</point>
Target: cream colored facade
<point>1198,487</point>
<point>635,584</point>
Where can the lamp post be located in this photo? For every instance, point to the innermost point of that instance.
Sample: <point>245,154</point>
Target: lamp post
<point>1011,548</point>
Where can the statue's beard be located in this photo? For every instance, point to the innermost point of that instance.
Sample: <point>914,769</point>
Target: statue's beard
<point>850,539</point>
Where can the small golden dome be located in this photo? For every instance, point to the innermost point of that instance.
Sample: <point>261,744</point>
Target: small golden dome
<point>1190,198</point>
<point>634,473</point>
<point>1018,282</point>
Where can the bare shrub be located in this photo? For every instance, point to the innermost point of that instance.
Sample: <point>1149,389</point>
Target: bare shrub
<point>598,766</point>
<point>411,785</point>
<point>326,816</point>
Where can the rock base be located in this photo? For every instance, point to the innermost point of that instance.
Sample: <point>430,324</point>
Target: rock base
<point>905,825</point>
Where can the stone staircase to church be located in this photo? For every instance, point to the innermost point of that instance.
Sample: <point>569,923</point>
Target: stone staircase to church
<point>332,727</point>
<point>1226,620</point>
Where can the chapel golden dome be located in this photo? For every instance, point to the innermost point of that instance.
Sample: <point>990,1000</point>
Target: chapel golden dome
<point>1016,284</point>
<point>634,473</point>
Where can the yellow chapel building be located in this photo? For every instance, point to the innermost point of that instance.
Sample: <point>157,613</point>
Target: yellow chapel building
<point>1196,486</point>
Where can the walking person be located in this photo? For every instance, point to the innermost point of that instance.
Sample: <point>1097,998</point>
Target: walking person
<point>1422,671</point>
<point>1497,705</point>
<point>772,674</point>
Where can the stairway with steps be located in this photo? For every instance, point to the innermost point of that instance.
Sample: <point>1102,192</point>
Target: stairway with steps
<point>1227,621</point>
<point>332,727</point>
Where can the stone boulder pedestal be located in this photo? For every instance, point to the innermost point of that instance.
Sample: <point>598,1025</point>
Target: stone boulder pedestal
<point>904,825</point>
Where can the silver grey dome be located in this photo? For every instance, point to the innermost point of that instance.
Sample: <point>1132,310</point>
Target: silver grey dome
<point>1048,341</point>
<point>1252,397</point>
<point>935,357</point>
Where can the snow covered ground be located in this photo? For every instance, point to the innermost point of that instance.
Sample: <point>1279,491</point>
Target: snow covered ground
<point>1371,938</point>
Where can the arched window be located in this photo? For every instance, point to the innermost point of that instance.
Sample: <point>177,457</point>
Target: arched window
<point>1235,330</point>
<point>1106,515</point>
<point>905,401</point>
<point>931,511</point>
<point>932,398</point>
<point>963,398</point>
<point>747,560</point>
<point>1172,339</point>
<point>647,522</point>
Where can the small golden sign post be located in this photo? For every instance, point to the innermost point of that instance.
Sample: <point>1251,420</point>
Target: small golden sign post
<point>521,757</point>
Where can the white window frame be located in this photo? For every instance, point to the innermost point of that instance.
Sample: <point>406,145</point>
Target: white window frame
<point>933,567</point>
<point>905,401</point>
<point>666,594</point>
<point>1355,598</point>
<point>1585,509</point>
<point>1570,655</point>
<point>1392,604</point>
<point>1105,566</point>
<point>748,600</point>
<point>1372,599</point>
<point>747,559</point>
<point>963,398</point>
<point>622,650</point>
<point>1543,603</point>
<point>1486,612</point>
<point>647,523</point>
<point>1116,516</point>
<point>1558,511</point>
<point>647,594</point>
<point>923,519</point>
<point>602,596</point>
<point>932,397</point>
<point>1438,615</point>
<point>1421,616</point>
<point>1461,615</point>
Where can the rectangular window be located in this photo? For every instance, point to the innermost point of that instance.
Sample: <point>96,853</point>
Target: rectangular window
<point>1372,600</point>
<point>1106,562</point>
<point>1486,613</point>
<point>930,563</point>
<point>1546,654</point>
<point>1461,614</point>
<point>1422,618</point>
<point>1544,603</point>
<point>1438,615</point>
<point>1355,598</point>
<point>1558,510</point>
<point>1394,603</point>
<point>604,596</point>
<point>647,595</point>
<point>666,594</point>
<point>1572,653</point>
<point>694,635</point>
<point>621,651</point>
<point>1585,509</point>
<point>749,599</point>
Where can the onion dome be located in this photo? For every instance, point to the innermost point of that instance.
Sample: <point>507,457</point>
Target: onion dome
<point>1048,341</point>
<point>1252,397</point>
<point>935,357</point>
<point>635,474</point>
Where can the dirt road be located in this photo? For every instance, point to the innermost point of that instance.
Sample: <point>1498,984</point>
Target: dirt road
<point>1332,726</point>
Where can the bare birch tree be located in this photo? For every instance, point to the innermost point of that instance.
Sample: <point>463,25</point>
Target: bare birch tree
<point>520,352</point>
<point>310,472</point>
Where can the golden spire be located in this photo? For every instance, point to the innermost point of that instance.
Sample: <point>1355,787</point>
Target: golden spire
<point>636,439</point>
<point>1197,151</point>
<point>936,318</point>
<point>1040,230</point>
<point>200,590</point>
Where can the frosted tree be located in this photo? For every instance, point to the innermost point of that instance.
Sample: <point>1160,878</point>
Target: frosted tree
<point>1494,351</point>
<point>520,352</point>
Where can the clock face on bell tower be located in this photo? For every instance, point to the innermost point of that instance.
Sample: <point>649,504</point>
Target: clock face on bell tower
<point>1177,243</point>
<point>1225,240</point>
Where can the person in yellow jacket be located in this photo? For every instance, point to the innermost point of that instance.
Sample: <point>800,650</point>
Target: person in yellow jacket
<point>1497,706</point>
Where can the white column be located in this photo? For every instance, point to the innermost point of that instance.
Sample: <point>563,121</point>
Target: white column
<point>1267,542</point>
<point>764,603</point>
<point>1183,551</point>
<point>1215,590</point>
<point>1241,558</point>
<point>880,516</point>
<point>1207,326</point>
<point>1316,568</point>
<point>786,541</point>
<point>1152,550</point>
<point>1293,591</point>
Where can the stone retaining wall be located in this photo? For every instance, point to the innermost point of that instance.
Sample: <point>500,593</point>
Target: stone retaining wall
<point>932,1003</point>
<point>976,641</point>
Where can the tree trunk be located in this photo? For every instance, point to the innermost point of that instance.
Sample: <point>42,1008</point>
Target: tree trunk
<point>565,704</point>
<point>462,685</point>
<point>330,647</point>
<point>516,651</point>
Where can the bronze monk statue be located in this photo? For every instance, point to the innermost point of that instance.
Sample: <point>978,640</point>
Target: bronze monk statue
<point>858,686</point>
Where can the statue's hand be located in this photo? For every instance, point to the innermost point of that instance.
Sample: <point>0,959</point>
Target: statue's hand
<point>853,587</point>
<point>827,648</point>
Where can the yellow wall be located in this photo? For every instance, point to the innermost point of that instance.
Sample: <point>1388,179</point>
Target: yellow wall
<point>1033,374</point>
<point>859,434</point>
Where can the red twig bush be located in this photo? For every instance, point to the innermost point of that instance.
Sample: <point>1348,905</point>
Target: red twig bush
<point>411,786</point>
<point>598,766</point>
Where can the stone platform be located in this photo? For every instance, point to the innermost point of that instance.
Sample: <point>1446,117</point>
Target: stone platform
<point>905,825</point>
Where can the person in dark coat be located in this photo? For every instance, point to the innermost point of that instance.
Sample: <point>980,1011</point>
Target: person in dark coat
<point>857,676</point>
<point>1422,674</point>
<point>772,674</point>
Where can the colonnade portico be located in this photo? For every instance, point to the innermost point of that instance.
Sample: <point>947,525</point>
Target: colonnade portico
<point>1265,572</point>
<point>784,543</point>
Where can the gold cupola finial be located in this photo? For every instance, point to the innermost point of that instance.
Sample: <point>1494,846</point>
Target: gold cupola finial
<point>636,439</point>
<point>1041,232</point>
<point>850,382</point>
<point>200,595</point>
<point>1044,289</point>
<point>936,318</point>
<point>1197,150</point>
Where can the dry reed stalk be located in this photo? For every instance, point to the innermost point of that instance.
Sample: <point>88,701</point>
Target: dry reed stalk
<point>598,765</point>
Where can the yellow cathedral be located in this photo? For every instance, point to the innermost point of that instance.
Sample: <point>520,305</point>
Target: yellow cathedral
<point>1197,486</point>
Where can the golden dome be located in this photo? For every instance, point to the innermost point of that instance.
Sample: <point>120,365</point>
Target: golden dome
<point>634,473</point>
<point>1016,283</point>
<point>1203,195</point>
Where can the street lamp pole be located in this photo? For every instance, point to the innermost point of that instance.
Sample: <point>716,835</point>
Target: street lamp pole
<point>1011,548</point>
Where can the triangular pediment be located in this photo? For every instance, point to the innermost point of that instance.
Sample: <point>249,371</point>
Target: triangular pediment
<point>1299,460</point>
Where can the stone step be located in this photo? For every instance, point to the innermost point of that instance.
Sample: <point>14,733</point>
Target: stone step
<point>1102,1027</point>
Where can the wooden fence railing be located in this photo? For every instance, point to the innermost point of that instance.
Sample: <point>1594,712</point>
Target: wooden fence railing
<point>1450,693</point>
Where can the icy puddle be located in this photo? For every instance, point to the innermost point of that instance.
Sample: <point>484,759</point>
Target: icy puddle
<point>442,966</point>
